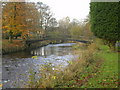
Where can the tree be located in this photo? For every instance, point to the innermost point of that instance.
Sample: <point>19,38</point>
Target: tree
<point>104,21</point>
<point>45,15</point>
<point>86,29</point>
<point>75,32</point>
<point>46,18</point>
<point>20,17</point>
<point>53,23</point>
<point>64,26</point>
<point>32,21</point>
<point>12,18</point>
<point>76,29</point>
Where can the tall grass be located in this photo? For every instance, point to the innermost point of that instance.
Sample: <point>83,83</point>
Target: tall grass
<point>76,74</point>
<point>96,67</point>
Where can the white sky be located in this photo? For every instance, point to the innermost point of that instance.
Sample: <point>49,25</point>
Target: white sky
<point>78,9</point>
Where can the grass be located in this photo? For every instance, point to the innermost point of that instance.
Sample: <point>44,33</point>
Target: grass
<point>97,67</point>
<point>6,43</point>
<point>84,68</point>
<point>107,74</point>
<point>8,47</point>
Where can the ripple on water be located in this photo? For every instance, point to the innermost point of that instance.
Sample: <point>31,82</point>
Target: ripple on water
<point>19,68</point>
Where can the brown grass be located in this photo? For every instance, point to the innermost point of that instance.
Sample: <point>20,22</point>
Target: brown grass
<point>6,43</point>
<point>8,47</point>
<point>72,73</point>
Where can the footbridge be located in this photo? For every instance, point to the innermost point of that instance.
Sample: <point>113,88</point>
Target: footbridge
<point>28,42</point>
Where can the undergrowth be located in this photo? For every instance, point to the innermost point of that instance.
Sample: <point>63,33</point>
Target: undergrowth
<point>96,67</point>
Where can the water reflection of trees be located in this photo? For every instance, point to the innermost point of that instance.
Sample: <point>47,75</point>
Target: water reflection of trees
<point>51,50</point>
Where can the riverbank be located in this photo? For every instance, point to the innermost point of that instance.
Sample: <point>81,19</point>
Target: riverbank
<point>15,46</point>
<point>96,67</point>
<point>18,45</point>
<point>107,74</point>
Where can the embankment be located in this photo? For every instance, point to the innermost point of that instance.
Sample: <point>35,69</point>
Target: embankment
<point>18,45</point>
<point>96,67</point>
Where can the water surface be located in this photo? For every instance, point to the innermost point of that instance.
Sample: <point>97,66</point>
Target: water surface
<point>17,66</point>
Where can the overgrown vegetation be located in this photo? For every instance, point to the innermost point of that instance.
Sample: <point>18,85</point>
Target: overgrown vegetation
<point>96,67</point>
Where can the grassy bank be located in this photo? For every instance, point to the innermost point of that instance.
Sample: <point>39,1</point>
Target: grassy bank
<point>18,45</point>
<point>8,47</point>
<point>107,74</point>
<point>96,67</point>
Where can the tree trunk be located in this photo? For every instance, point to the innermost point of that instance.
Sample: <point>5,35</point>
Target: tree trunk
<point>16,37</point>
<point>112,45</point>
<point>10,39</point>
<point>10,36</point>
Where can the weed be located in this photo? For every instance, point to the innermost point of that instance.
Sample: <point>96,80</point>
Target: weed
<point>94,68</point>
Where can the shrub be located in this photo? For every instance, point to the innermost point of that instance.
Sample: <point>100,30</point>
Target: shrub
<point>104,21</point>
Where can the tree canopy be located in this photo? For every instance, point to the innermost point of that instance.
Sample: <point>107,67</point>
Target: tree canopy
<point>25,18</point>
<point>36,21</point>
<point>104,21</point>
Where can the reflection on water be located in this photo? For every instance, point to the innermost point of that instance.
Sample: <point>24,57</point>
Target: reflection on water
<point>58,49</point>
<point>16,66</point>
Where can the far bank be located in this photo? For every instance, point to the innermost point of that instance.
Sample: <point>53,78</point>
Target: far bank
<point>19,45</point>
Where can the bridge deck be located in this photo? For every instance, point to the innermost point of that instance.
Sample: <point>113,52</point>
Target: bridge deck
<point>34,41</point>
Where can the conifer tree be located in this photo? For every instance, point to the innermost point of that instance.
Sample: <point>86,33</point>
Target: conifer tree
<point>104,21</point>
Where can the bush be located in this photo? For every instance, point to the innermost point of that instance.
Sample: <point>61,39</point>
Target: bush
<point>104,21</point>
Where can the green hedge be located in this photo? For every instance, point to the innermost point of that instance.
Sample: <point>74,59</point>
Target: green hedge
<point>104,21</point>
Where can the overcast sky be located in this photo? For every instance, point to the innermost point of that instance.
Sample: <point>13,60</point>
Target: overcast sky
<point>78,9</point>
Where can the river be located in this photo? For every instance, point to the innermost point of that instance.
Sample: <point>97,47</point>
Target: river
<point>16,66</point>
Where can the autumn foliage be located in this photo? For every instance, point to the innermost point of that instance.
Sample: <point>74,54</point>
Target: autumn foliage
<point>23,18</point>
